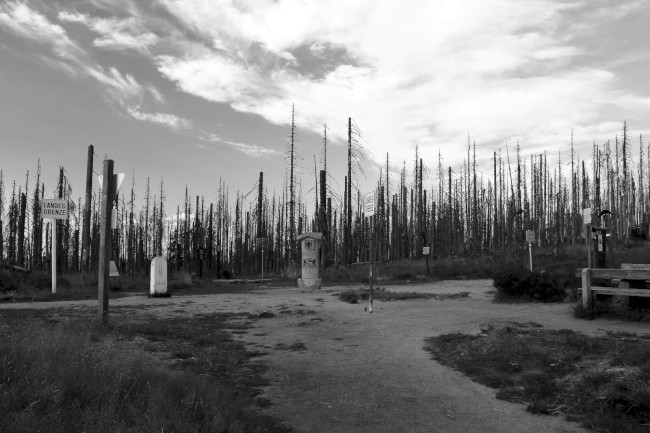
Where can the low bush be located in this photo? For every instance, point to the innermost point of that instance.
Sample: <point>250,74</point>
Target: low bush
<point>528,286</point>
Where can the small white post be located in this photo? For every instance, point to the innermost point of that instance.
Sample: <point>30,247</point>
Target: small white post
<point>54,257</point>
<point>262,260</point>
<point>586,288</point>
<point>530,254</point>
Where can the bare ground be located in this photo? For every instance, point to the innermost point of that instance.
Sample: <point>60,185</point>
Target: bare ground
<point>335,367</point>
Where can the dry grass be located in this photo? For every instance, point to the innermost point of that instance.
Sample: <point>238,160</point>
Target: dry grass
<point>603,383</point>
<point>64,375</point>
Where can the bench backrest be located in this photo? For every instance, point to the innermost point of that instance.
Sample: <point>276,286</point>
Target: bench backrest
<point>621,274</point>
<point>643,266</point>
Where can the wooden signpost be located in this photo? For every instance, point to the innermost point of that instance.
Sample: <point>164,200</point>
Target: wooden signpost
<point>54,209</point>
<point>109,193</point>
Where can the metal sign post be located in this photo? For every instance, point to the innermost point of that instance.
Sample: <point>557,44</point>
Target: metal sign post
<point>425,252</point>
<point>369,208</point>
<point>530,238</point>
<point>54,209</point>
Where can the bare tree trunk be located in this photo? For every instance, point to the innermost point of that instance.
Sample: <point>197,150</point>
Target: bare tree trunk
<point>21,231</point>
<point>85,249</point>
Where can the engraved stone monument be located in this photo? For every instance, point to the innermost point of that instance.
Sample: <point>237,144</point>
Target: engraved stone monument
<point>310,261</point>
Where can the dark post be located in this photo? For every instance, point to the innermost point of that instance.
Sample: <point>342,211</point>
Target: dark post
<point>201,256</point>
<point>59,229</point>
<point>218,261</point>
<point>105,243</point>
<point>210,238</point>
<point>322,217</point>
<point>85,237</point>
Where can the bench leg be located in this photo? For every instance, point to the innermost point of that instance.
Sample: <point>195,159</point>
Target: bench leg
<point>586,288</point>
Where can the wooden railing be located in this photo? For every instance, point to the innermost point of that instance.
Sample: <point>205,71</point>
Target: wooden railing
<point>631,279</point>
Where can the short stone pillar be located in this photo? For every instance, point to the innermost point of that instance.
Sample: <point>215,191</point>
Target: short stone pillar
<point>311,250</point>
<point>158,282</point>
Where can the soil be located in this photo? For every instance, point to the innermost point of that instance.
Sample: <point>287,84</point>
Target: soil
<point>336,367</point>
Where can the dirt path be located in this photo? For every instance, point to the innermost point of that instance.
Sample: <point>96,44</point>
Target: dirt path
<point>337,368</point>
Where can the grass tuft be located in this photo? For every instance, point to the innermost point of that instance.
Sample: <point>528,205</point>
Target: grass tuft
<point>354,296</point>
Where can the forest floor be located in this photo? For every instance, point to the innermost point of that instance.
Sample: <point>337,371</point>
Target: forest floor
<point>335,367</point>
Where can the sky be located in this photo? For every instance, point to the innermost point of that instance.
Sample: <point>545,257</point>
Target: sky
<point>191,92</point>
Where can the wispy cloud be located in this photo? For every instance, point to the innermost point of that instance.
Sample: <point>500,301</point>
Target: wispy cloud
<point>115,34</point>
<point>32,25</point>
<point>122,87</point>
<point>253,150</point>
<point>170,120</point>
<point>72,59</point>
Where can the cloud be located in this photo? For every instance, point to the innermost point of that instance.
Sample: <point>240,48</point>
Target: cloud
<point>67,55</point>
<point>172,121</point>
<point>115,34</point>
<point>422,75</point>
<point>253,150</point>
<point>122,87</point>
<point>32,25</point>
<point>70,58</point>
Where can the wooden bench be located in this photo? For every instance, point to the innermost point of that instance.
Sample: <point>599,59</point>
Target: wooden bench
<point>630,278</point>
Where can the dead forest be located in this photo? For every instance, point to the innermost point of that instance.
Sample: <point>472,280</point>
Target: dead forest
<point>453,210</point>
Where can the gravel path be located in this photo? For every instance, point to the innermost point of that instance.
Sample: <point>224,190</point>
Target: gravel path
<point>337,368</point>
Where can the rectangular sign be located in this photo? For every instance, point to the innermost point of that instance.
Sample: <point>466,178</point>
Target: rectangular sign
<point>530,236</point>
<point>369,206</point>
<point>54,209</point>
<point>586,215</point>
<point>425,251</point>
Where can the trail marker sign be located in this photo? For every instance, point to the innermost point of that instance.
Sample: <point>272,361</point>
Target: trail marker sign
<point>530,236</point>
<point>426,251</point>
<point>117,183</point>
<point>55,209</point>
<point>586,215</point>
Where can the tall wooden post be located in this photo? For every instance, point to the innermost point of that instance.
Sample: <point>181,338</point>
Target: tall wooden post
<point>105,242</point>
<point>372,260</point>
<point>85,236</point>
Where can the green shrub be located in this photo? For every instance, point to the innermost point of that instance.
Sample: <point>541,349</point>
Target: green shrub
<point>524,285</point>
